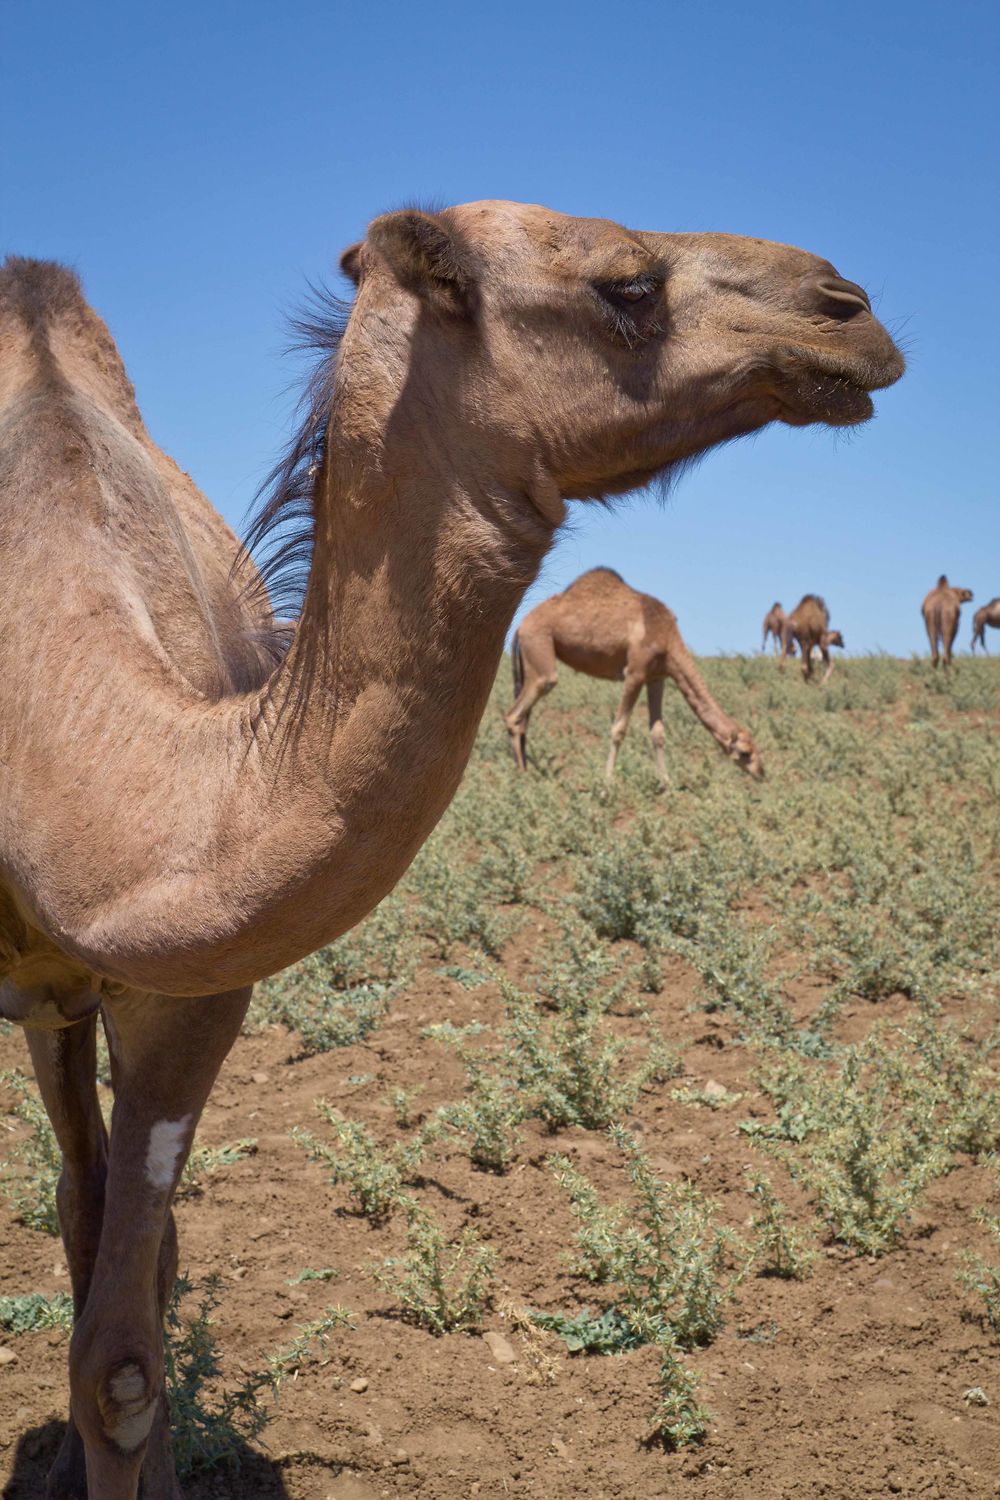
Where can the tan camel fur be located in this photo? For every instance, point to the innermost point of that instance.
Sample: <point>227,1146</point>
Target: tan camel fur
<point>185,806</point>
<point>941,610</point>
<point>989,614</point>
<point>774,621</point>
<point>604,628</point>
<point>808,625</point>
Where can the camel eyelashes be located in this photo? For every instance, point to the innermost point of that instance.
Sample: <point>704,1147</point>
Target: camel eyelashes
<point>636,290</point>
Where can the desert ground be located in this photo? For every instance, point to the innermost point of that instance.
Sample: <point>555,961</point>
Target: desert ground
<point>660,1138</point>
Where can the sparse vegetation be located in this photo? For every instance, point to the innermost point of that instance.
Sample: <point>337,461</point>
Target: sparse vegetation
<point>670,1265</point>
<point>29,1313</point>
<point>443,1285</point>
<point>30,1176</point>
<point>211,1422</point>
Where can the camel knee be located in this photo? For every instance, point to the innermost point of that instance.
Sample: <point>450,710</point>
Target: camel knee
<point>115,1387</point>
<point>658,735</point>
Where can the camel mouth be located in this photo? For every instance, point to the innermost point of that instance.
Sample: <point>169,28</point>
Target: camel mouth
<point>835,387</point>
<point>837,399</point>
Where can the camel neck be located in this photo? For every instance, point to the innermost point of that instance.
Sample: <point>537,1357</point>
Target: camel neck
<point>370,723</point>
<point>694,690</point>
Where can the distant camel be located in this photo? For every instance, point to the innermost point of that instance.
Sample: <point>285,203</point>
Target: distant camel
<point>809,625</point>
<point>773,623</point>
<point>941,610</point>
<point>989,614</point>
<point>604,628</point>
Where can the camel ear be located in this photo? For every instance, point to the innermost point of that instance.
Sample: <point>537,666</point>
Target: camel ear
<point>425,257</point>
<point>350,262</point>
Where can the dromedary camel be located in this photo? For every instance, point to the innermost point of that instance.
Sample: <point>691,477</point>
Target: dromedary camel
<point>774,622</point>
<point>988,614</point>
<point>604,628</point>
<point>941,610</point>
<point>186,807</point>
<point>809,626</point>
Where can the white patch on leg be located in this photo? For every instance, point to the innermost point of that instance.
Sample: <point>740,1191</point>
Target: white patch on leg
<point>166,1141</point>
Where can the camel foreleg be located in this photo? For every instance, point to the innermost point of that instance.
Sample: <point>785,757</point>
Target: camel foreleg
<point>166,1054</point>
<point>654,698</point>
<point>65,1064</point>
<point>627,702</point>
<point>540,675</point>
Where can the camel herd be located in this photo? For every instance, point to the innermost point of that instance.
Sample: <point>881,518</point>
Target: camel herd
<point>193,797</point>
<point>604,628</point>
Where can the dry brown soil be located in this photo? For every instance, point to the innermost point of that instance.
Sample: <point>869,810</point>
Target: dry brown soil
<point>849,1386</point>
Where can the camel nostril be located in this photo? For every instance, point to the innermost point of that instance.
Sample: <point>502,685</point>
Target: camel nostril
<point>839,298</point>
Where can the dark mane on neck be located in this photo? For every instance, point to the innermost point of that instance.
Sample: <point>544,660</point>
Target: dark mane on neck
<point>281,524</point>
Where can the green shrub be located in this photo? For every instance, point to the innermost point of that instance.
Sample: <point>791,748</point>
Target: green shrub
<point>30,1186</point>
<point>374,1179</point>
<point>778,1246</point>
<point>444,1286</point>
<point>872,1132</point>
<point>210,1423</point>
<point>29,1313</point>
<point>661,1251</point>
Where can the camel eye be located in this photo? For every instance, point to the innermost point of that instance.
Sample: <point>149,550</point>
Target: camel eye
<point>637,290</point>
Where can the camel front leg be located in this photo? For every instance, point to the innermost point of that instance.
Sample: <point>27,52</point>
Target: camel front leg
<point>654,698</point>
<point>538,663</point>
<point>166,1054</point>
<point>828,659</point>
<point>65,1064</point>
<point>630,694</point>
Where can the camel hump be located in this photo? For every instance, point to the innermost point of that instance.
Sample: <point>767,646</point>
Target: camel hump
<point>942,582</point>
<point>608,572</point>
<point>816,599</point>
<point>38,290</point>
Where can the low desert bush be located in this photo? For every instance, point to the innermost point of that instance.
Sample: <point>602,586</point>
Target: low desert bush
<point>442,1285</point>
<point>867,1135</point>
<point>33,1311</point>
<point>661,1251</point>
<point>30,1176</point>
<point>212,1423</point>
<point>375,1180</point>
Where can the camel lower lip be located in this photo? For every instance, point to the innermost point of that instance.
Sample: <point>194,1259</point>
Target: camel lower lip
<point>820,396</point>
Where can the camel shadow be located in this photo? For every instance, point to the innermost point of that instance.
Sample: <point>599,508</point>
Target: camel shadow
<point>254,1477</point>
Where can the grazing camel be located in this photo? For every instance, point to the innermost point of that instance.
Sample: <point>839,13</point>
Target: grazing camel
<point>189,800</point>
<point>809,625</point>
<point>604,628</point>
<point>989,614</point>
<point>774,622</point>
<point>941,610</point>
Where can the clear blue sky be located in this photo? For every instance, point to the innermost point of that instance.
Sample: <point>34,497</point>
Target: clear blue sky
<point>198,163</point>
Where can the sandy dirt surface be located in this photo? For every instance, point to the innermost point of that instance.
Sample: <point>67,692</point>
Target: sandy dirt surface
<point>850,1385</point>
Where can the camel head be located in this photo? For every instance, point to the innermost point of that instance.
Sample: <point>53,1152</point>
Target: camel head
<point>833,638</point>
<point>964,596</point>
<point>743,750</point>
<point>578,358</point>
